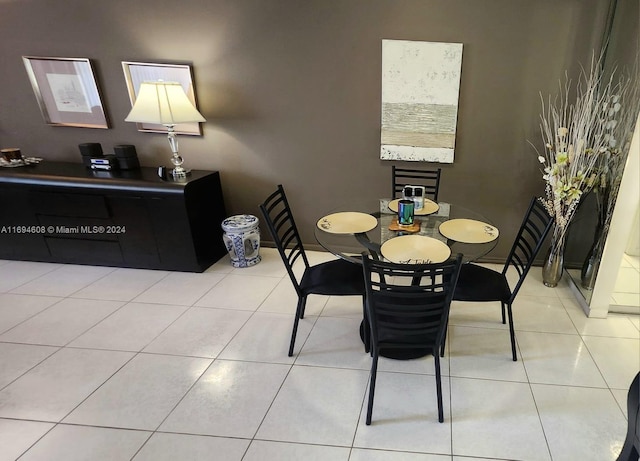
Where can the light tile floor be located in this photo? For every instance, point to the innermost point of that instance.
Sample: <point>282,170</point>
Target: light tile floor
<point>627,289</point>
<point>118,364</point>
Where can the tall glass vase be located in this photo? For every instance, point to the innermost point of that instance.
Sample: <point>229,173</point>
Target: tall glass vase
<point>592,261</point>
<point>554,263</point>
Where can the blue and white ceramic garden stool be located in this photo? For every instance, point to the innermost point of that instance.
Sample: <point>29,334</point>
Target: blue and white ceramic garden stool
<point>242,239</point>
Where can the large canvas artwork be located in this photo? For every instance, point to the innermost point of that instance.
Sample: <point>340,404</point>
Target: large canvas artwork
<point>420,88</point>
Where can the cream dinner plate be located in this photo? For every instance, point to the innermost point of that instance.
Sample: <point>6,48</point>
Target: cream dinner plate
<point>415,249</point>
<point>468,231</point>
<point>347,222</point>
<point>429,207</point>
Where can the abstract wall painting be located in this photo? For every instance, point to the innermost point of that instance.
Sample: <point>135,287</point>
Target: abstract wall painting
<point>420,89</point>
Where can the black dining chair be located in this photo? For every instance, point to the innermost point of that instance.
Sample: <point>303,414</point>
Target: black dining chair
<point>481,284</point>
<point>333,278</point>
<point>408,307</point>
<point>401,177</point>
<point>631,448</point>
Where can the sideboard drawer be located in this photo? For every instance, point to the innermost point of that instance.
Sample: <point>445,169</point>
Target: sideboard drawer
<point>75,227</point>
<point>62,204</point>
<point>84,251</point>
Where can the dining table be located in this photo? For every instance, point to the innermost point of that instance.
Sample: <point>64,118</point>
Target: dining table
<point>349,246</point>
<point>370,226</point>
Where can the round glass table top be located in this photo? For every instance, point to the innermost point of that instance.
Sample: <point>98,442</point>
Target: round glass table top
<point>351,246</point>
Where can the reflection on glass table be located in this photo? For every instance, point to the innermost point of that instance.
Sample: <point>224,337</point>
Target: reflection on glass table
<point>350,246</point>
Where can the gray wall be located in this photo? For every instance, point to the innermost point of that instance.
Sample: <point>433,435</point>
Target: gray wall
<point>291,89</point>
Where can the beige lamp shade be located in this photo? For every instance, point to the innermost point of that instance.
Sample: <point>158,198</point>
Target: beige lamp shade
<point>163,103</point>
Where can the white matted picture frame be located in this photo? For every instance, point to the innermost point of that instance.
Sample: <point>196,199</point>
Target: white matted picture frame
<point>66,91</point>
<point>136,73</point>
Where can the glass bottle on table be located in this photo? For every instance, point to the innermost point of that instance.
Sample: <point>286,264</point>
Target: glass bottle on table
<point>405,212</point>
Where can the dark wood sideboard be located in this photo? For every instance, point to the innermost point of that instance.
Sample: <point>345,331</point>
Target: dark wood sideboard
<point>67,213</point>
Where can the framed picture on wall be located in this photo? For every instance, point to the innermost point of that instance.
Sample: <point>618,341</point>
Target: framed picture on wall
<point>137,72</point>
<point>66,91</point>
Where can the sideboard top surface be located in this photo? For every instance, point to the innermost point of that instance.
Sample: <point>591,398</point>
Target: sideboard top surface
<point>78,176</point>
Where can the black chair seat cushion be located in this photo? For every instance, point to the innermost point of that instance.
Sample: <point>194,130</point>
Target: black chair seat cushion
<point>477,283</point>
<point>337,277</point>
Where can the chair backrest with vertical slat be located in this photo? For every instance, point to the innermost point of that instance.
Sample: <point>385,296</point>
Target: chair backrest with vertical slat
<point>279,220</point>
<point>534,229</point>
<point>409,304</point>
<point>401,177</point>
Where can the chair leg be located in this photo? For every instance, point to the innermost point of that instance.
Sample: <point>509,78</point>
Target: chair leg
<point>632,456</point>
<point>629,452</point>
<point>366,332</point>
<point>301,302</point>
<point>444,338</point>
<point>438,386</point>
<point>372,385</point>
<point>512,333</point>
<point>504,320</point>
<point>302,308</point>
<point>629,449</point>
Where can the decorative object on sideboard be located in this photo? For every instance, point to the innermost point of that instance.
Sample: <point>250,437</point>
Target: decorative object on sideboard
<point>67,91</point>
<point>165,103</point>
<point>93,157</point>
<point>162,172</point>
<point>11,157</point>
<point>126,156</point>
<point>11,154</point>
<point>89,150</point>
<point>106,163</point>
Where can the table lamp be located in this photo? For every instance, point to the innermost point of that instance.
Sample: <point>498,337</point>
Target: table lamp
<point>167,104</point>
